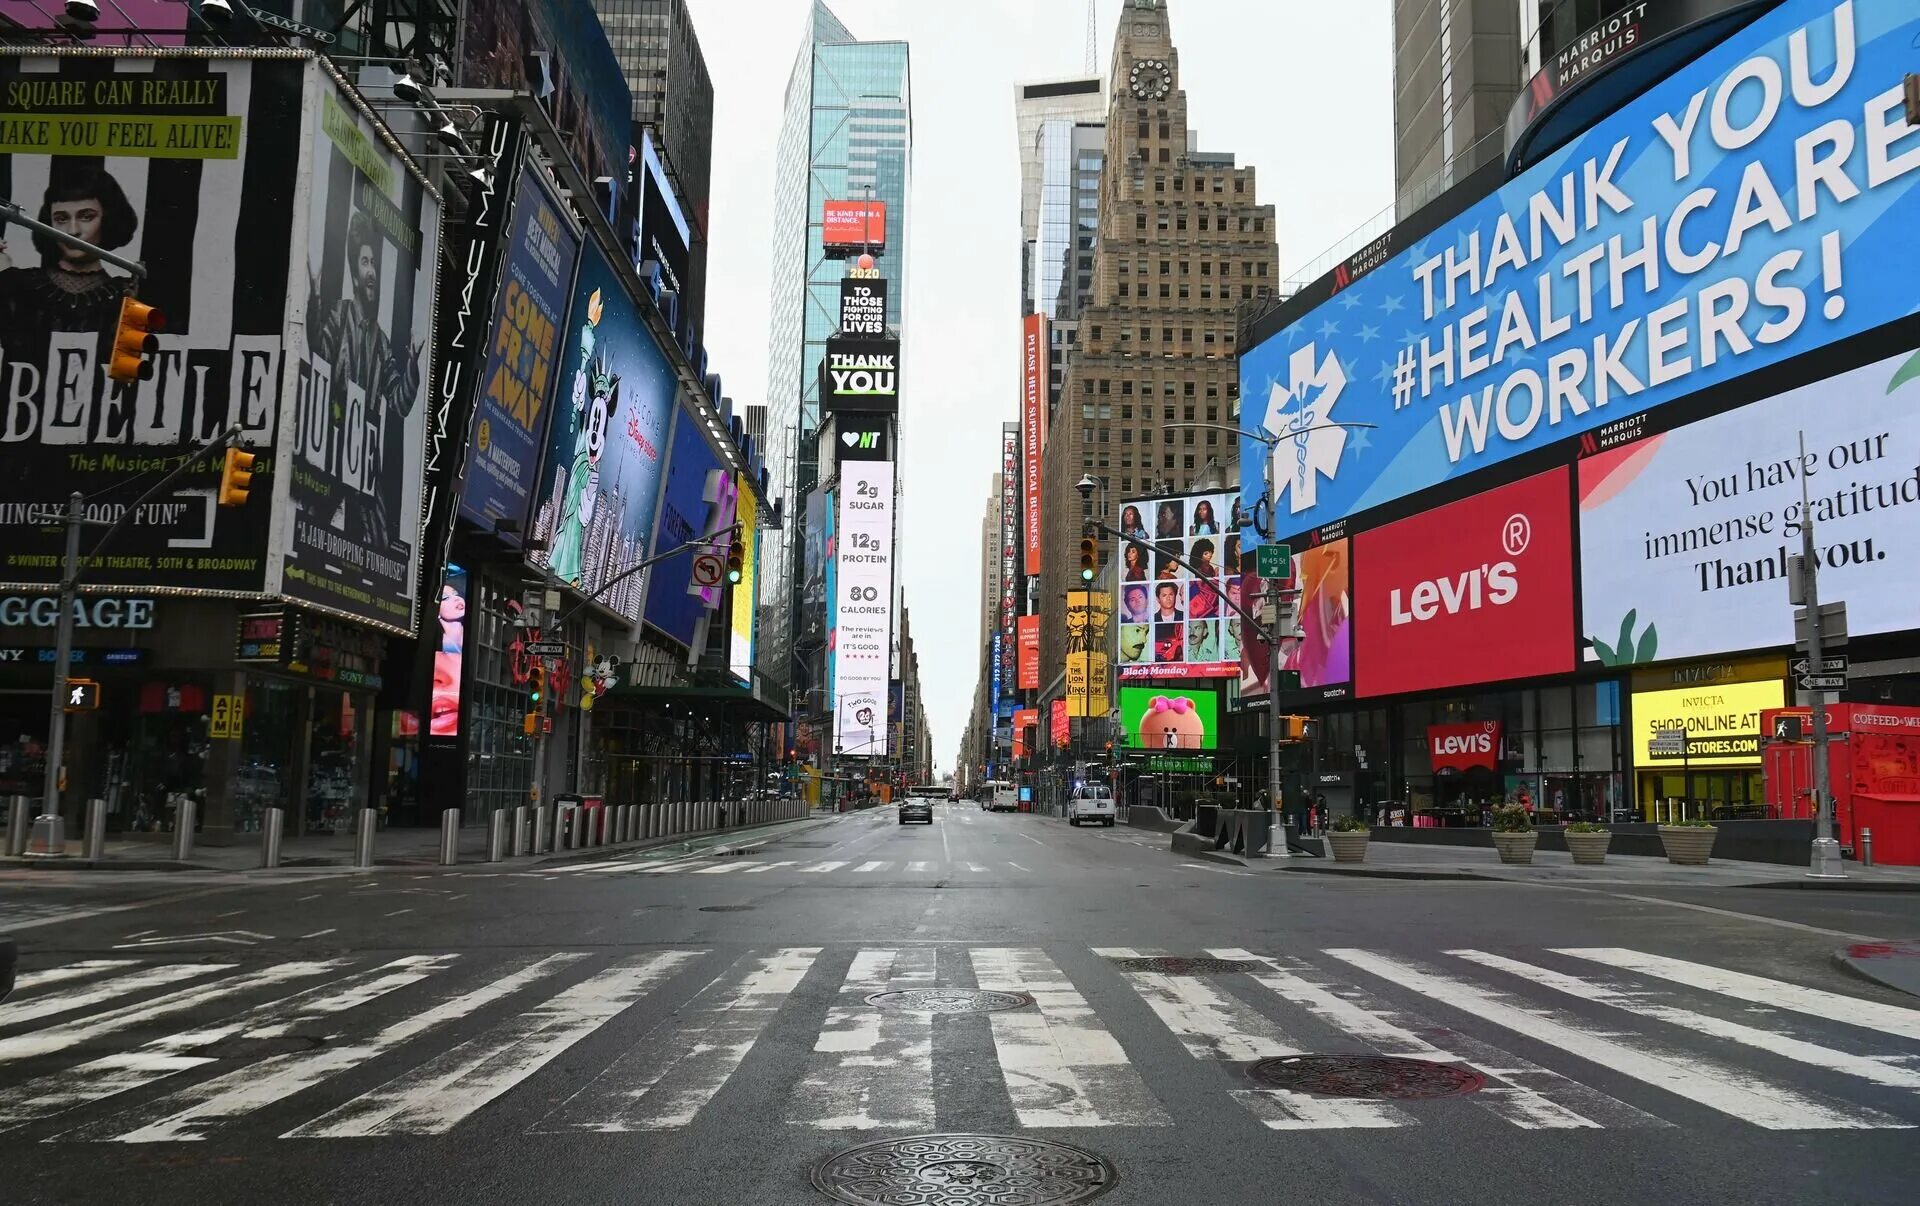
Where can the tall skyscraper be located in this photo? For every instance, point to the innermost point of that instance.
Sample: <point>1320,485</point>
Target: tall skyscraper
<point>846,134</point>
<point>1044,115</point>
<point>1182,244</point>
<point>1456,70</point>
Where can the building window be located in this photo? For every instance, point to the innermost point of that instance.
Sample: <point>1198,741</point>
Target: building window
<point>1261,268</point>
<point>1186,388</point>
<point>1126,389</point>
<point>1166,267</point>
<point>1160,223</point>
<point>1186,462</point>
<point>1160,185</point>
<point>1206,267</point>
<point>1246,293</point>
<point>1186,336</point>
<point>1179,184</point>
<point>1126,436</point>
<point>1123,293</point>
<point>1213,412</point>
<point>1126,335</point>
<point>1203,219</point>
<point>1163,289</point>
<point>1186,437</point>
<point>1180,220</point>
<point>1086,411</point>
<point>1164,130</point>
<point>1165,157</point>
<point>1239,184</point>
<point>1209,335</point>
<point>1213,437</point>
<point>1183,289</point>
<point>1095,334</point>
<point>1104,383</point>
<point>1206,293</point>
<point>1143,129</point>
<point>1126,408</point>
<point>1166,334</point>
<point>1185,268</point>
<point>1259,225</point>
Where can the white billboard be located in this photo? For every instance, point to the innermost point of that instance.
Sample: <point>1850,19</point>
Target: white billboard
<point>1685,536</point>
<point>863,608</point>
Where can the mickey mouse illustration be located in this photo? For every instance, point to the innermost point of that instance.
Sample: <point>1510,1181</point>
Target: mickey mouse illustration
<point>1171,724</point>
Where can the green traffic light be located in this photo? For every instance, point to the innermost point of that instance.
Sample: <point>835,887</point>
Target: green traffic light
<point>1086,575</point>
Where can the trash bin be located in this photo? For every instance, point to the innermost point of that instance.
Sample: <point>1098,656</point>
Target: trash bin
<point>48,838</point>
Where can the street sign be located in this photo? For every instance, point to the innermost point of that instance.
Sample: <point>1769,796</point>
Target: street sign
<point>708,570</point>
<point>1833,626</point>
<point>1667,742</point>
<point>83,695</point>
<point>547,649</point>
<point>1828,665</point>
<point>1823,682</point>
<point>1274,561</point>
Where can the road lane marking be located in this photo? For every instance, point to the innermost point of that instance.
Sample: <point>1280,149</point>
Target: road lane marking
<point>106,990</point>
<point>1729,1090</point>
<point>872,1069</point>
<point>720,868</point>
<point>434,1097</point>
<point>1036,841</point>
<point>669,1075</point>
<point>822,868</point>
<point>864,867</point>
<point>1062,1067</point>
<point>72,971</point>
<point>976,868</point>
<point>771,866</point>
<point>1018,867</point>
<point>920,866</point>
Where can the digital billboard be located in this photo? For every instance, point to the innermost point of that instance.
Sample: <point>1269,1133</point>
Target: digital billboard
<point>517,383</point>
<point>745,598</point>
<point>863,607</point>
<point>1758,203</point>
<point>1033,427</point>
<point>1029,656</point>
<point>1009,547</point>
<point>863,307</point>
<point>1026,723</point>
<point>1721,722</point>
<point>697,501</point>
<point>1158,718</point>
<point>1686,535</point>
<point>1475,591</point>
<point>1319,647</point>
<point>860,374</point>
<point>1059,725</point>
<point>213,222</point>
<point>665,237</point>
<point>1173,620</point>
<point>862,437</point>
<point>813,566</point>
<point>449,632</point>
<point>356,456</point>
<point>853,226</point>
<point>592,518</point>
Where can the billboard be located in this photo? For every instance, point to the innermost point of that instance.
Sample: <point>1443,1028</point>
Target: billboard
<point>745,592</point>
<point>665,237</point>
<point>860,374</point>
<point>1721,723</point>
<point>357,439</point>
<point>1686,535</point>
<point>1029,641</point>
<point>593,515</point>
<point>1319,648</point>
<point>1009,546</point>
<point>1155,718</point>
<point>449,632</point>
<point>863,606</point>
<point>1026,724</point>
<point>1758,203</point>
<point>213,222</point>
<point>1059,725</point>
<point>1089,638</point>
<point>556,50</point>
<point>1475,591</point>
<point>862,437</point>
<point>863,307</point>
<point>853,226</point>
<point>697,500</point>
<point>1033,426</point>
<point>517,381</point>
<point>1172,619</point>
<point>124,24</point>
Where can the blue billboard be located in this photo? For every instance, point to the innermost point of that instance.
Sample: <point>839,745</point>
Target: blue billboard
<point>1755,205</point>
<point>698,501</point>
<point>592,520</point>
<point>516,385</point>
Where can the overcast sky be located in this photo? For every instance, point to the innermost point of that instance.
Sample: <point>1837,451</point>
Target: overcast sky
<point>1300,91</point>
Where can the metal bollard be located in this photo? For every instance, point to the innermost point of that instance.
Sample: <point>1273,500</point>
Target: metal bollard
<point>19,820</point>
<point>363,836</point>
<point>449,836</point>
<point>273,827</point>
<point>519,829</point>
<point>497,836</point>
<point>1866,847</point>
<point>649,820</point>
<point>184,814</point>
<point>542,829</point>
<point>626,822</point>
<point>96,829</point>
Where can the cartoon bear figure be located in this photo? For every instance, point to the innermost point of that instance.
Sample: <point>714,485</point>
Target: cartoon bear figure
<point>1171,723</point>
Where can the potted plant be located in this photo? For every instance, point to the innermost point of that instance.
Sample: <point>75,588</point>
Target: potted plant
<point>1513,835</point>
<point>1348,836</point>
<point>1689,843</point>
<point>1588,842</point>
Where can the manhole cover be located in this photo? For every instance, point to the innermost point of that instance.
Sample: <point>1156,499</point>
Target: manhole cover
<point>962,1170</point>
<point>950,1000</point>
<point>260,1048</point>
<point>725,908</point>
<point>1181,965</point>
<point>1374,1077</point>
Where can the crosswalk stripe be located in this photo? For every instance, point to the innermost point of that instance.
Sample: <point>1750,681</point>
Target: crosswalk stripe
<point>1061,1065</point>
<point>821,868</point>
<point>72,971</point>
<point>920,866</point>
<point>1759,990</point>
<point>664,1079</point>
<point>434,1097</point>
<point>872,1068</point>
<point>121,1071</point>
<point>874,866</point>
<point>1525,1094</point>
<point>1727,1090</point>
<point>81,1030</point>
<point>1214,1025</point>
<point>720,869</point>
<point>94,994</point>
<point>190,1113</point>
<point>771,866</point>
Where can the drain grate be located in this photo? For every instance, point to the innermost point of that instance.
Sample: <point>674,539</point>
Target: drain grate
<point>1372,1077</point>
<point>964,1170</point>
<point>949,1000</point>
<point>1182,965</point>
<point>726,908</point>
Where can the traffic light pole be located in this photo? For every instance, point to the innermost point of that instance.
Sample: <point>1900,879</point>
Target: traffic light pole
<point>1825,858</point>
<point>9,212</point>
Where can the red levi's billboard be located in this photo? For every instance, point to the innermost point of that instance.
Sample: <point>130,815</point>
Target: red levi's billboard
<point>1472,592</point>
<point>1456,747</point>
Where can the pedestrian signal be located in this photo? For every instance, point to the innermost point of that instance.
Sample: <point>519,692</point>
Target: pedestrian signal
<point>134,341</point>
<point>83,695</point>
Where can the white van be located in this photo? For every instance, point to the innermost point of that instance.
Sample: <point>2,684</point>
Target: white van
<point>1090,802</point>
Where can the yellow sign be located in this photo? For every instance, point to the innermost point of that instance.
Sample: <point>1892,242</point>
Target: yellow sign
<point>1721,724</point>
<point>229,718</point>
<point>1088,660</point>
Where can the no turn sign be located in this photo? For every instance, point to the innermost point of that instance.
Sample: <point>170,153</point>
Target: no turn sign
<point>708,570</point>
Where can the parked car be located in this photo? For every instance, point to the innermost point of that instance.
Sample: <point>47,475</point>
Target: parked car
<point>1091,802</point>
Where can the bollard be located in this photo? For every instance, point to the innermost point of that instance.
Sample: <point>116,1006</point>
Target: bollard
<point>96,829</point>
<point>650,820</point>
<point>449,836</point>
<point>1866,847</point>
<point>497,836</point>
<point>596,819</point>
<point>273,827</point>
<point>519,830</point>
<point>363,836</point>
<point>184,814</point>
<point>19,820</point>
<point>626,822</point>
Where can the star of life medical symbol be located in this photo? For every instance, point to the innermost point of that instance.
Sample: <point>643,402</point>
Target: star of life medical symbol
<point>1304,407</point>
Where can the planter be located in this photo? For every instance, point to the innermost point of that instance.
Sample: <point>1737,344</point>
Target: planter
<point>1688,845</point>
<point>1349,847</point>
<point>1515,848</point>
<point>1589,849</point>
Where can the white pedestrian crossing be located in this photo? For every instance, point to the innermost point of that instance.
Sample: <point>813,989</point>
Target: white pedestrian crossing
<point>358,1047</point>
<point>706,865</point>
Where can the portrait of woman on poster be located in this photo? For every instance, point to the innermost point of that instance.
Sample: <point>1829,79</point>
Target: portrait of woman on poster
<point>1230,560</point>
<point>1136,564</point>
<point>1131,524</point>
<point>1167,522</point>
<point>1202,559</point>
<point>1204,523</point>
<point>71,289</point>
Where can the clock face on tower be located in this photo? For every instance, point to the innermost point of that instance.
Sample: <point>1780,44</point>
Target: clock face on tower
<point>1150,79</point>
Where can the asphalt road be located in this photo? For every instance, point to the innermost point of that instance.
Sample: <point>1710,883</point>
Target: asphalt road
<point>697,1030</point>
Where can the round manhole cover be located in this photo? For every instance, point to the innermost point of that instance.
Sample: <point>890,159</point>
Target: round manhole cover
<point>950,1000</point>
<point>726,908</point>
<point>964,1170</point>
<point>1182,965</point>
<point>260,1048</point>
<point>1374,1077</point>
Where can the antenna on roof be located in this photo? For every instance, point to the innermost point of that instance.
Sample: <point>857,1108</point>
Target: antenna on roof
<point>1093,40</point>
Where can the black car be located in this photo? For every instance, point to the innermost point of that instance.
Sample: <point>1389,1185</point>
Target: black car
<point>916,808</point>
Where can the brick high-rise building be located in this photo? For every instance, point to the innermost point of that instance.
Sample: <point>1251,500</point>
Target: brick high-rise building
<point>1182,244</point>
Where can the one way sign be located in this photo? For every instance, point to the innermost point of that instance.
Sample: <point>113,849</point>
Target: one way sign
<point>1828,665</point>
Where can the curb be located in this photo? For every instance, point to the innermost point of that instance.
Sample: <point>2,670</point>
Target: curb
<point>1834,885</point>
<point>599,853</point>
<point>1363,872</point>
<point>1867,969</point>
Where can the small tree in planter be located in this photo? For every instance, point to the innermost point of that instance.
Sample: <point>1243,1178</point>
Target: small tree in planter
<point>1689,843</point>
<point>1348,836</point>
<point>1588,842</point>
<point>1513,835</point>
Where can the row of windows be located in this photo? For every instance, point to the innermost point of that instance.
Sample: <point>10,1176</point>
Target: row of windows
<point>1091,461</point>
<point>1247,267</point>
<point>1208,335</point>
<point>1178,221</point>
<point>1102,435</point>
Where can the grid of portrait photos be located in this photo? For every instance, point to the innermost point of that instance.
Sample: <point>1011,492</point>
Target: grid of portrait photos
<point>1174,619</point>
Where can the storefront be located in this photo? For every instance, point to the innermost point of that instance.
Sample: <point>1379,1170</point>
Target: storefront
<point>1696,737</point>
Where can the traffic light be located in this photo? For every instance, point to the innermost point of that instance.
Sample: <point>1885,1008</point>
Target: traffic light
<point>133,340</point>
<point>1088,559</point>
<point>736,560</point>
<point>1293,728</point>
<point>236,478</point>
<point>536,684</point>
